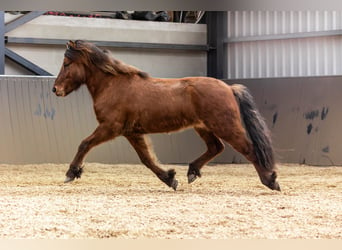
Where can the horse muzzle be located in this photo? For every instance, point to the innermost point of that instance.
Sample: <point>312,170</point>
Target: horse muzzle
<point>58,92</point>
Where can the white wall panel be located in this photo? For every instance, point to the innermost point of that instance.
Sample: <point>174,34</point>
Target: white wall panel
<point>157,62</point>
<point>284,43</point>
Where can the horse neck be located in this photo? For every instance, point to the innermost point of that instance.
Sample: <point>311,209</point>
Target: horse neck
<point>96,81</point>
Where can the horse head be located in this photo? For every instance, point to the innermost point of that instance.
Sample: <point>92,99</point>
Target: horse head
<point>73,71</point>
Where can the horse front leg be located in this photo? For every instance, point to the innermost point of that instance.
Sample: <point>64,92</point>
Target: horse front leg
<point>101,134</point>
<point>147,157</point>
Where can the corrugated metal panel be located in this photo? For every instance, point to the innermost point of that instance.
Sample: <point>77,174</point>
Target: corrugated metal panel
<point>291,57</point>
<point>38,127</point>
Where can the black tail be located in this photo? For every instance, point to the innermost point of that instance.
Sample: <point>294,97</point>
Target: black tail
<point>255,126</point>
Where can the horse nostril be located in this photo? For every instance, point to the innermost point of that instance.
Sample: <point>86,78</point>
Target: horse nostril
<point>54,89</point>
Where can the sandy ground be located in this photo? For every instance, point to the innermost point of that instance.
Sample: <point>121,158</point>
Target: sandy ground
<point>129,202</point>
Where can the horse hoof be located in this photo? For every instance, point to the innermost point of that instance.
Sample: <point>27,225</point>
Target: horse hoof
<point>276,187</point>
<point>191,178</point>
<point>68,179</point>
<point>174,184</point>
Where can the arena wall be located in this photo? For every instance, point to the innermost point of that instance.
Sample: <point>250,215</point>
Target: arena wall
<point>303,114</point>
<point>37,127</point>
<point>291,70</point>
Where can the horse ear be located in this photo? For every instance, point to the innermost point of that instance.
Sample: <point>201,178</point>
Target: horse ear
<point>70,44</point>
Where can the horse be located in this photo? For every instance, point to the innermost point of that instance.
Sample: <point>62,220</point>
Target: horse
<point>129,102</point>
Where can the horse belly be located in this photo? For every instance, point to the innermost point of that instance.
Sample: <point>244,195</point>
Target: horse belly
<point>170,124</point>
<point>165,120</point>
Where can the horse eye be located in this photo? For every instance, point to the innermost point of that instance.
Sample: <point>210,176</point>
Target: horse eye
<point>66,64</point>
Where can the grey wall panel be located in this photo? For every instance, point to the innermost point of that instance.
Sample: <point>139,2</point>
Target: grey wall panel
<point>303,115</point>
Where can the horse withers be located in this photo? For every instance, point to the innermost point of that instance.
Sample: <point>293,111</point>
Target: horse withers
<point>131,103</point>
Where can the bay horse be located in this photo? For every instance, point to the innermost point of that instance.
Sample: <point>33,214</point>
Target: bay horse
<point>130,103</point>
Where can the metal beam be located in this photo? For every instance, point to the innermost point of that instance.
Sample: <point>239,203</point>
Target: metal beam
<point>26,63</point>
<point>22,20</point>
<point>15,57</point>
<point>152,45</point>
<point>218,53</point>
<point>298,35</point>
<point>2,43</point>
<point>113,44</point>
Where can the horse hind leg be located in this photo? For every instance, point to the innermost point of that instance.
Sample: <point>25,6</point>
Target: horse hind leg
<point>238,140</point>
<point>214,147</point>
<point>145,153</point>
